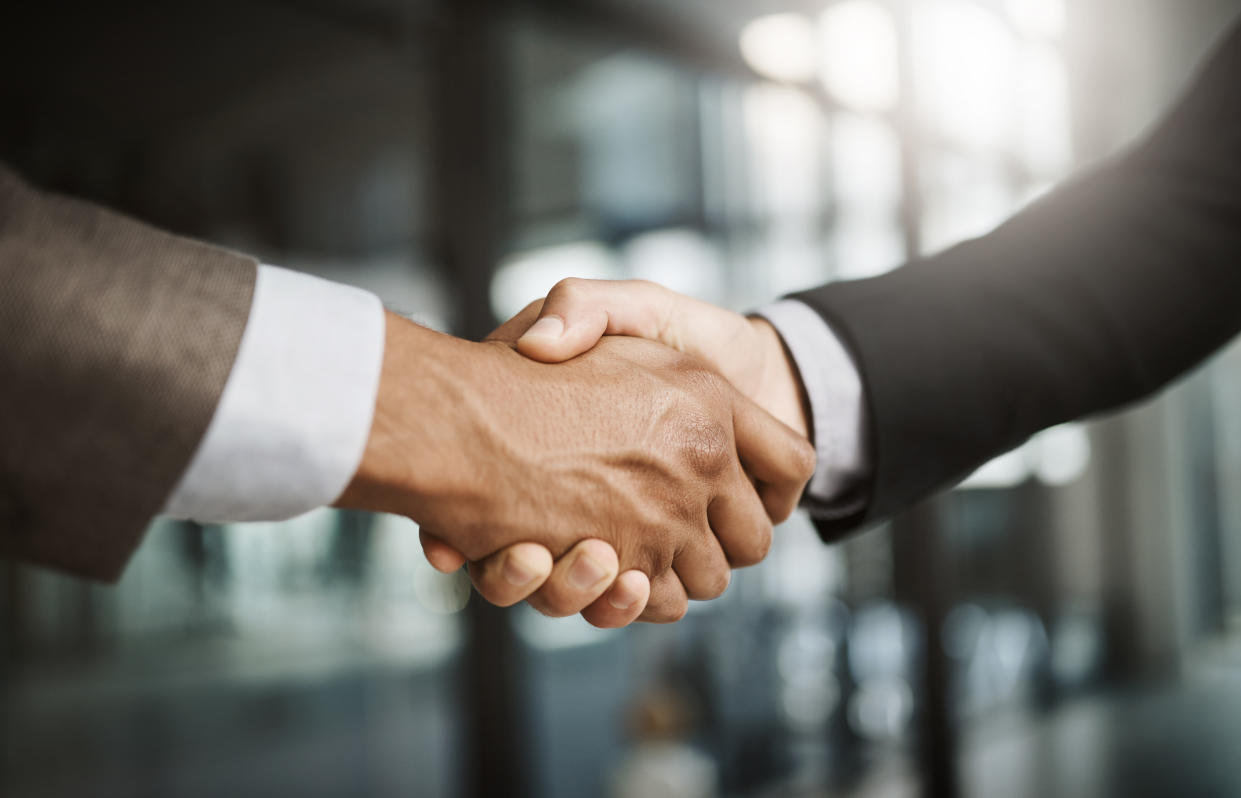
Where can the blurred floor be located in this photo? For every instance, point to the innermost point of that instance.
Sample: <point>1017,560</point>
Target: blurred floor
<point>359,723</point>
<point>1179,738</point>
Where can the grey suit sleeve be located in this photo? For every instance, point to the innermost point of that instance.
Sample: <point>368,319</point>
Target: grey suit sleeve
<point>115,343</point>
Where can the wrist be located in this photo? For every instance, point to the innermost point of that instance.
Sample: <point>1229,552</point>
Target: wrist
<point>780,391</point>
<point>410,451</point>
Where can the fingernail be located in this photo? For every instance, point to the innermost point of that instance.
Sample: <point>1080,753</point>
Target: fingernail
<point>586,572</point>
<point>622,599</point>
<point>547,327</point>
<point>517,572</point>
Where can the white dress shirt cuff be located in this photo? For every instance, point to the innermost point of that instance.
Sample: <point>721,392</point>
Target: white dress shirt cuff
<point>834,390</point>
<point>295,414</point>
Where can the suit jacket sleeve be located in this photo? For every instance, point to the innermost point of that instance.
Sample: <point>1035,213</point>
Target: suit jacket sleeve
<point>115,344</point>
<point>1096,296</point>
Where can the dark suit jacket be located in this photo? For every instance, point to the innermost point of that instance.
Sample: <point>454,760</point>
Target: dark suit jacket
<point>1095,296</point>
<point>115,344</point>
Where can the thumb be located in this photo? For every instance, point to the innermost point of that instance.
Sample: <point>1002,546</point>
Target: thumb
<point>577,313</point>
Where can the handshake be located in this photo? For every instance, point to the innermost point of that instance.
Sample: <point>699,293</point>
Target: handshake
<point>615,449</point>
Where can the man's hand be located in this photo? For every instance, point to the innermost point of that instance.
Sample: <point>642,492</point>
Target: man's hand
<point>578,313</point>
<point>632,444</point>
<point>746,351</point>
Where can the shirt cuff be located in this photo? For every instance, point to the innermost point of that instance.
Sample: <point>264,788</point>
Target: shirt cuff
<point>838,412</point>
<point>295,414</point>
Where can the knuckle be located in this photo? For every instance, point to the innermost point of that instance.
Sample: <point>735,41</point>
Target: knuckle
<point>651,289</point>
<point>656,559</point>
<point>668,612</point>
<point>750,549</point>
<point>713,585</point>
<point>654,537</point>
<point>807,460</point>
<point>706,445</point>
<point>707,384</point>
<point>779,511</point>
<point>569,289</point>
<point>677,611</point>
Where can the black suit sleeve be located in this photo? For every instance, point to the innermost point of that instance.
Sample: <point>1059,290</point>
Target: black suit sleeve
<point>1096,296</point>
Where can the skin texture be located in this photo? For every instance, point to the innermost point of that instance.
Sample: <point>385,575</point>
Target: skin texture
<point>745,351</point>
<point>632,457</point>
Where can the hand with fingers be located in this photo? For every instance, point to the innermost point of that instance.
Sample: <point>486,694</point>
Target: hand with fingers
<point>746,351</point>
<point>573,319</point>
<point>620,483</point>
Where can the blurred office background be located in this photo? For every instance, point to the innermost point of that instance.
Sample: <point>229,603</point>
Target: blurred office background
<point>1063,625</point>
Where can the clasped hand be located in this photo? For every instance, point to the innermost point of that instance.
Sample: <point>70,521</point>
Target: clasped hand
<point>620,482</point>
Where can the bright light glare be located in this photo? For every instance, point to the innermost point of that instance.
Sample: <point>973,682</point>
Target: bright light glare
<point>1058,456</point>
<point>1043,19</point>
<point>403,578</point>
<point>866,165</point>
<point>867,179</point>
<point>678,258</point>
<point>1063,454</point>
<point>858,59</point>
<point>780,47</point>
<point>971,196</point>
<point>528,276</point>
<point>1043,112</point>
<point>867,248</point>
<point>964,60</point>
<point>784,130</point>
<point>802,569</point>
<point>807,708</point>
<point>881,709</point>
<point>1006,471</point>
<point>882,637</point>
